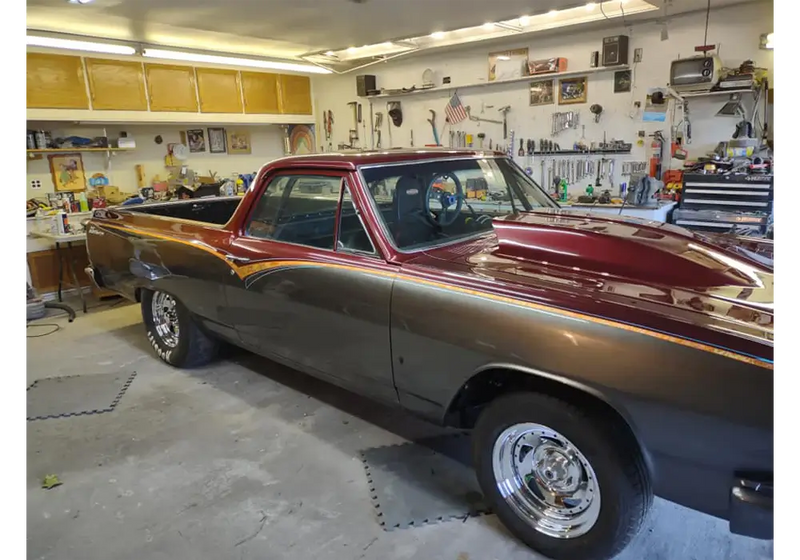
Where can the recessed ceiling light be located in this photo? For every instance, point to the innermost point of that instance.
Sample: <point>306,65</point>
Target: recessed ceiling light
<point>590,6</point>
<point>488,26</point>
<point>524,20</point>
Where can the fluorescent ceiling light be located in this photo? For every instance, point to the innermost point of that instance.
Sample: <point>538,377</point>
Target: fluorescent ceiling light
<point>69,44</point>
<point>551,13</point>
<point>351,49</point>
<point>330,53</point>
<point>488,26</point>
<point>79,1</point>
<point>590,6</point>
<point>438,34</point>
<point>233,61</point>
<point>524,20</point>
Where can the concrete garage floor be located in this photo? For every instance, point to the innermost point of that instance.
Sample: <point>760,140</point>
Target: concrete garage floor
<point>248,459</point>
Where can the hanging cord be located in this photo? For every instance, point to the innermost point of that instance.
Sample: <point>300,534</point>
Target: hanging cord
<point>708,13</point>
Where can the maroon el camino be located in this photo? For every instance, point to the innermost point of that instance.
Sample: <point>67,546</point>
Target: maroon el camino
<point>597,360</point>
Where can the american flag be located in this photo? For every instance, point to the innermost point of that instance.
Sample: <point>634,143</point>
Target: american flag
<point>455,110</point>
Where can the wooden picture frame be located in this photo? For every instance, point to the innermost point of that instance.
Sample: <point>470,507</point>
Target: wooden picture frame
<point>67,172</point>
<point>509,64</point>
<point>542,92</point>
<point>573,90</point>
<point>238,141</point>
<point>217,141</point>
<point>195,140</point>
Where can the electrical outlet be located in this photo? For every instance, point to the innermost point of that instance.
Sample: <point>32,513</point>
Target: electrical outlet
<point>637,55</point>
<point>36,184</point>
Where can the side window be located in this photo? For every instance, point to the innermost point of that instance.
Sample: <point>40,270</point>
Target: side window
<point>299,209</point>
<point>352,235</point>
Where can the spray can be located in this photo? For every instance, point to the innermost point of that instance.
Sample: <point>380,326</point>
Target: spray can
<point>62,223</point>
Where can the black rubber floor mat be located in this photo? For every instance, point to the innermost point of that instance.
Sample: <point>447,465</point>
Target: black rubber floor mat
<point>429,481</point>
<point>60,397</point>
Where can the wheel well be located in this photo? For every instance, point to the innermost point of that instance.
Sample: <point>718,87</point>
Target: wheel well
<point>490,384</point>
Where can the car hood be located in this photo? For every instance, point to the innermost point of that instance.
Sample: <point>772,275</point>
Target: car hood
<point>641,250</point>
<point>623,268</point>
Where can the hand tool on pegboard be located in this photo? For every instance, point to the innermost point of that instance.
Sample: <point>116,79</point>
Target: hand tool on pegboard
<point>504,111</point>
<point>432,120</point>
<point>377,128</point>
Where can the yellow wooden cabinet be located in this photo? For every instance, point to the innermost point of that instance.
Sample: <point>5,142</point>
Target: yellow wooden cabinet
<point>295,94</point>
<point>116,85</point>
<point>56,82</point>
<point>260,92</point>
<point>220,91</point>
<point>171,88</point>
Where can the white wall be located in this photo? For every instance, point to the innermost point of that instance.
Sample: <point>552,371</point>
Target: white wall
<point>266,145</point>
<point>736,29</point>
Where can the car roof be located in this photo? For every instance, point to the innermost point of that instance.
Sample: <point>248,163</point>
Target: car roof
<point>356,158</point>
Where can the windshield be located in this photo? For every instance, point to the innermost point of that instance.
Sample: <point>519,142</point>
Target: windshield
<point>439,201</point>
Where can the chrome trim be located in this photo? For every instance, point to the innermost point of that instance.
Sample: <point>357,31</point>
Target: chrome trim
<point>465,157</point>
<point>546,480</point>
<point>361,221</point>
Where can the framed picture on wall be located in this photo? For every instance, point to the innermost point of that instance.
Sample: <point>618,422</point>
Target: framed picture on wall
<point>67,172</point>
<point>217,143</point>
<point>622,81</point>
<point>506,65</point>
<point>542,93</point>
<point>195,140</point>
<point>238,141</point>
<point>572,90</point>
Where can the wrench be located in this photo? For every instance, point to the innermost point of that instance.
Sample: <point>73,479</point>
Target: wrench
<point>432,120</point>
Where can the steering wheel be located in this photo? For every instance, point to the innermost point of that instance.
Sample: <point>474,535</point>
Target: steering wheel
<point>451,203</point>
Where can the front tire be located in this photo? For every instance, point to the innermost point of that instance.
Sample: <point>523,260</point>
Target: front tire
<point>568,484</point>
<point>174,333</point>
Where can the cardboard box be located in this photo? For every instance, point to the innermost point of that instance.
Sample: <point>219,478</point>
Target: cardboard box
<point>547,66</point>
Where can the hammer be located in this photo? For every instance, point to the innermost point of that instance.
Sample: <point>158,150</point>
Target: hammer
<point>505,110</point>
<point>432,120</point>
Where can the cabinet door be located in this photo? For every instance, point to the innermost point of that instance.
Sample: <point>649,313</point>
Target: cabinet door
<point>116,85</point>
<point>295,95</point>
<point>56,82</point>
<point>220,91</point>
<point>171,88</point>
<point>261,93</point>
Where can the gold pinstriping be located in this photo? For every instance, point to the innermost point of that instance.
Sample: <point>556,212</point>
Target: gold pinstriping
<point>243,271</point>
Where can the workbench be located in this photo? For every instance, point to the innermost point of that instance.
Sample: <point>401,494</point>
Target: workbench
<point>657,212</point>
<point>63,244</point>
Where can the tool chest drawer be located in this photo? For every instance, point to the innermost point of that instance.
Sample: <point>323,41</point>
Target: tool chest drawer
<point>734,192</point>
<point>721,221</point>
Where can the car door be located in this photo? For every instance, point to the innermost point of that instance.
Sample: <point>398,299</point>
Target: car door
<point>313,291</point>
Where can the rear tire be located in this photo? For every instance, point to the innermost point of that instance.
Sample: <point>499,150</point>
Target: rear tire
<point>574,486</point>
<point>174,333</point>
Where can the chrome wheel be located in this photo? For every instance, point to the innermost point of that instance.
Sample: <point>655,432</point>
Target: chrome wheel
<point>165,318</point>
<point>546,480</point>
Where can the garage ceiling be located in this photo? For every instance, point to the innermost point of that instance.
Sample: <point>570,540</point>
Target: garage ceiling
<point>286,28</point>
